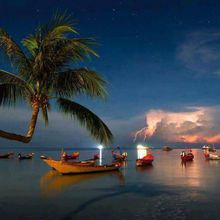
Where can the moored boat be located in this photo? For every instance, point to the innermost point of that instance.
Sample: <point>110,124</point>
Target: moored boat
<point>64,167</point>
<point>211,156</point>
<point>6,156</point>
<point>147,159</point>
<point>118,156</point>
<point>187,156</point>
<point>73,156</point>
<point>167,148</point>
<point>25,157</point>
<point>209,148</point>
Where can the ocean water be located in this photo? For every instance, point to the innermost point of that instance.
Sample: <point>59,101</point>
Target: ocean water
<point>29,189</point>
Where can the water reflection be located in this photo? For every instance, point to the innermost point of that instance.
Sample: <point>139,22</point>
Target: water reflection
<point>52,183</point>
<point>123,163</point>
<point>186,164</point>
<point>146,169</point>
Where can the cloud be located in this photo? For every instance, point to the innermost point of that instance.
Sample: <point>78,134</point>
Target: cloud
<point>195,125</point>
<point>200,52</point>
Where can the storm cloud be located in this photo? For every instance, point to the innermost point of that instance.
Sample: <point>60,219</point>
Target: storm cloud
<point>194,125</point>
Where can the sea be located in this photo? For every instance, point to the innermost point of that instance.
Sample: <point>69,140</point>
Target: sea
<point>30,190</point>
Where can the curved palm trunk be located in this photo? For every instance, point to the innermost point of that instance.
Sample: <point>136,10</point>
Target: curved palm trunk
<point>27,138</point>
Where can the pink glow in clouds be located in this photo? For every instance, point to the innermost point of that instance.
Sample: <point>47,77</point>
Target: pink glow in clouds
<point>195,125</point>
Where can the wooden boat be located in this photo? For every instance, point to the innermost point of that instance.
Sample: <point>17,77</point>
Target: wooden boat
<point>25,157</point>
<point>73,156</point>
<point>65,167</point>
<point>208,148</point>
<point>6,156</point>
<point>187,156</point>
<point>211,156</point>
<point>119,157</point>
<point>145,160</point>
<point>167,148</point>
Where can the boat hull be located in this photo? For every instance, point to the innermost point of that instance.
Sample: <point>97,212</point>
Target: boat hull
<point>166,148</point>
<point>71,168</point>
<point>212,157</point>
<point>6,156</point>
<point>187,157</point>
<point>141,162</point>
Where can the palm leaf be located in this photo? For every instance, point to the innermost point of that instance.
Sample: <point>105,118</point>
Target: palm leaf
<point>88,119</point>
<point>10,93</point>
<point>32,44</point>
<point>80,81</point>
<point>13,51</point>
<point>6,77</point>
<point>59,26</point>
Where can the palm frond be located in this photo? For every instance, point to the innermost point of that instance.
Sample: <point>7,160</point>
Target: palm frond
<point>88,119</point>
<point>58,56</point>
<point>32,44</point>
<point>6,77</point>
<point>80,81</point>
<point>59,26</point>
<point>14,52</point>
<point>10,93</point>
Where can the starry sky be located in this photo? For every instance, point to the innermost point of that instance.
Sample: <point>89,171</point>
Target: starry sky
<point>161,61</point>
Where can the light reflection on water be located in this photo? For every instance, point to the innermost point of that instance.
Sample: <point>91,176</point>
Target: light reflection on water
<point>168,189</point>
<point>52,183</point>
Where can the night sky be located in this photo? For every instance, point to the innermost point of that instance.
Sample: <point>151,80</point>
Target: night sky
<point>161,60</point>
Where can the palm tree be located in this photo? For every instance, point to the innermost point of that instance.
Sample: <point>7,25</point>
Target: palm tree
<point>46,71</point>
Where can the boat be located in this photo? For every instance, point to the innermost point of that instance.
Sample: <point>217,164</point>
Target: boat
<point>91,161</point>
<point>208,148</point>
<point>146,160</point>
<point>187,156</point>
<point>6,156</point>
<point>211,156</point>
<point>25,157</point>
<point>65,167</point>
<point>43,157</point>
<point>73,156</point>
<point>119,157</point>
<point>167,148</point>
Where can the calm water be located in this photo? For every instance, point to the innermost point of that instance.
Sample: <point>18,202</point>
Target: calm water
<point>167,190</point>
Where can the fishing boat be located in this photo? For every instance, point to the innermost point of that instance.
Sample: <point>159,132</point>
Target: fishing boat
<point>73,156</point>
<point>25,157</point>
<point>167,148</point>
<point>65,167</point>
<point>209,148</point>
<point>6,156</point>
<point>211,156</point>
<point>119,157</point>
<point>146,160</point>
<point>91,161</point>
<point>187,156</point>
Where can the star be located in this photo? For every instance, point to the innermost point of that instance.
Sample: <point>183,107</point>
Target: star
<point>114,10</point>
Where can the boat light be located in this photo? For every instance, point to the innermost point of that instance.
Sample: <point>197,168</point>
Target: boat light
<point>140,147</point>
<point>100,147</point>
